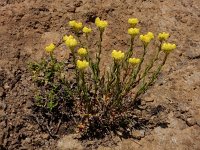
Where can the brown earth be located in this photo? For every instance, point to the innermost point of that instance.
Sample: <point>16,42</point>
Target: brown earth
<point>27,25</point>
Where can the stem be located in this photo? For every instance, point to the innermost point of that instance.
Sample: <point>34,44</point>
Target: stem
<point>134,73</point>
<point>99,53</point>
<point>118,89</point>
<point>130,51</point>
<point>153,78</point>
<point>140,64</point>
<point>151,63</point>
<point>85,91</point>
<point>76,71</point>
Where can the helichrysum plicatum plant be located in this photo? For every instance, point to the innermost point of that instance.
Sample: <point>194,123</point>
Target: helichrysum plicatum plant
<point>97,92</point>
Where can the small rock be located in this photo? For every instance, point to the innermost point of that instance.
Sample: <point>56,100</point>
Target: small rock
<point>6,86</point>
<point>71,66</point>
<point>45,136</point>
<point>191,121</point>
<point>183,108</point>
<point>27,140</point>
<point>138,134</point>
<point>119,133</point>
<point>149,99</point>
<point>198,123</point>
<point>1,91</point>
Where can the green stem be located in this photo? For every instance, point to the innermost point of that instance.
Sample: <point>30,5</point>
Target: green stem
<point>140,64</point>
<point>85,92</point>
<point>134,73</point>
<point>98,57</point>
<point>153,78</point>
<point>148,68</point>
<point>76,71</point>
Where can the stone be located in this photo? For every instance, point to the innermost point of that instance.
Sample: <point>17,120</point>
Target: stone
<point>1,91</point>
<point>45,136</point>
<point>138,134</point>
<point>191,121</point>
<point>198,123</point>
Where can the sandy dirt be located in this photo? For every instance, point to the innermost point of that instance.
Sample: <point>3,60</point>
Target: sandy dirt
<point>26,26</point>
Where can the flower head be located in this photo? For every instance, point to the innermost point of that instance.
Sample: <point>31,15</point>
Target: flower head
<point>82,51</point>
<point>133,31</point>
<point>168,47</point>
<point>163,36</point>
<point>50,48</point>
<point>65,37</point>
<point>81,65</point>
<point>76,25</point>
<point>134,61</point>
<point>70,42</point>
<point>117,55</point>
<point>150,34</point>
<point>146,39</point>
<point>101,24</point>
<point>87,30</point>
<point>72,23</point>
<point>133,21</point>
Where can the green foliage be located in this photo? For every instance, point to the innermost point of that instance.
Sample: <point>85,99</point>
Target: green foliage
<point>97,93</point>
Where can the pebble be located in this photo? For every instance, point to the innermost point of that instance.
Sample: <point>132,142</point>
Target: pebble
<point>138,134</point>
<point>191,121</point>
<point>45,136</point>
<point>1,91</point>
<point>198,123</point>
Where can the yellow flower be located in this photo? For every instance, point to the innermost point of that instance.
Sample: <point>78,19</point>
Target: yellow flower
<point>82,51</point>
<point>145,39</point>
<point>101,24</point>
<point>163,36</point>
<point>65,37</point>
<point>75,25</point>
<point>150,34</point>
<point>87,30</point>
<point>50,48</point>
<point>133,21</point>
<point>81,65</point>
<point>78,25</point>
<point>70,42</point>
<point>134,61</point>
<point>117,55</point>
<point>168,47</point>
<point>72,23</point>
<point>133,31</point>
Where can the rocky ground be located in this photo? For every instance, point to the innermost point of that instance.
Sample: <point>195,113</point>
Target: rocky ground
<point>26,26</point>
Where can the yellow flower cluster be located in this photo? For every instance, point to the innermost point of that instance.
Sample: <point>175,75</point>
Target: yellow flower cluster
<point>133,21</point>
<point>168,47</point>
<point>65,37</point>
<point>134,61</point>
<point>70,41</point>
<point>133,31</point>
<point>81,65</point>
<point>76,25</point>
<point>50,48</point>
<point>87,30</point>
<point>101,24</point>
<point>163,36</point>
<point>117,55</point>
<point>147,38</point>
<point>82,51</point>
